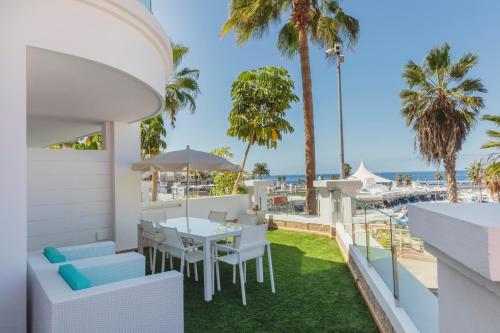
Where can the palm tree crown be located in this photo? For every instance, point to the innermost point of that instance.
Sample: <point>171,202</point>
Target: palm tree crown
<point>261,170</point>
<point>182,88</point>
<point>152,131</point>
<point>441,105</point>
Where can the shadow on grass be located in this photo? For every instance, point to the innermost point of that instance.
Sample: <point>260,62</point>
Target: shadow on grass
<point>315,292</point>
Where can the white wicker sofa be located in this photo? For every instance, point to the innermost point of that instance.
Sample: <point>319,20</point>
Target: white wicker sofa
<point>121,298</point>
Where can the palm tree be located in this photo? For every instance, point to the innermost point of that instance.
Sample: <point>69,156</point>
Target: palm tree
<point>438,176</point>
<point>441,105</point>
<point>492,170</point>
<point>182,88</point>
<point>152,133</point>
<point>261,170</point>
<point>476,173</point>
<point>347,170</point>
<point>494,135</point>
<point>407,179</point>
<point>399,180</point>
<point>492,180</point>
<point>322,21</point>
<point>261,98</point>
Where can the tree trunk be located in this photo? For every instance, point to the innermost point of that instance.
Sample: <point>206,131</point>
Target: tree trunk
<point>242,167</point>
<point>154,184</point>
<point>449,167</point>
<point>305,67</point>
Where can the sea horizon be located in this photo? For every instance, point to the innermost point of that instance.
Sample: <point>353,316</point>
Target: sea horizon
<point>461,175</point>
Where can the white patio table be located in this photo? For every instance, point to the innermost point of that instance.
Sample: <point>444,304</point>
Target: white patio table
<point>205,232</point>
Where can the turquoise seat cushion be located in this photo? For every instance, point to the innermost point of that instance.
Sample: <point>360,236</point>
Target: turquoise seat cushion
<point>73,277</point>
<point>53,255</point>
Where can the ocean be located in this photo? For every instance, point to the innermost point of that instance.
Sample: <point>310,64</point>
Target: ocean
<point>415,175</point>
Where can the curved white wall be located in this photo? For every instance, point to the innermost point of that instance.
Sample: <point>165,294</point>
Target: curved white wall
<point>118,33</point>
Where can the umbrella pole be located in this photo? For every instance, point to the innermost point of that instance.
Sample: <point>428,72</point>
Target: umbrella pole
<point>187,191</point>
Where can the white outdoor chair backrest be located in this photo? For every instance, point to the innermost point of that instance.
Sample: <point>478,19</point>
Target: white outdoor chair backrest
<point>148,226</point>
<point>215,216</point>
<point>247,219</point>
<point>172,238</point>
<point>252,242</point>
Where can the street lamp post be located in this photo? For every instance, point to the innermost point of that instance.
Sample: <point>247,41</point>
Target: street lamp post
<point>340,59</point>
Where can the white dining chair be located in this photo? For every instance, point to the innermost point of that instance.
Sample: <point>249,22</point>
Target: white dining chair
<point>251,245</point>
<point>215,216</point>
<point>175,247</point>
<point>155,237</point>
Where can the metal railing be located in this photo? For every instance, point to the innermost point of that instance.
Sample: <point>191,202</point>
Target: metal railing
<point>289,203</point>
<point>410,272</point>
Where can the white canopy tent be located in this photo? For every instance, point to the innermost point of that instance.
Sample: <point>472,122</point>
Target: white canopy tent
<point>367,177</point>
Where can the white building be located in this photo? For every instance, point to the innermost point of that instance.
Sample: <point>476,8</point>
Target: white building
<point>71,68</point>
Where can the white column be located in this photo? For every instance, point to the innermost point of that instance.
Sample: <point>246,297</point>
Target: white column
<point>257,192</point>
<point>13,173</point>
<point>330,194</point>
<point>465,238</point>
<point>124,140</point>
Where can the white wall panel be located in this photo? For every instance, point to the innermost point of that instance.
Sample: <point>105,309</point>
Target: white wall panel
<point>70,197</point>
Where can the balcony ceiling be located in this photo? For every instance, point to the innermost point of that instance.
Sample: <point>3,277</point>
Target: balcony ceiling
<point>72,88</point>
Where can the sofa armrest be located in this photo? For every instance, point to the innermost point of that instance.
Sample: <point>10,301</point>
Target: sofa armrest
<point>152,303</point>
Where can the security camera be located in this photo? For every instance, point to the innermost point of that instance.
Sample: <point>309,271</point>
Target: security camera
<point>337,48</point>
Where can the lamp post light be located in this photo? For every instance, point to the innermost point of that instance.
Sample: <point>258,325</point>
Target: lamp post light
<point>337,50</point>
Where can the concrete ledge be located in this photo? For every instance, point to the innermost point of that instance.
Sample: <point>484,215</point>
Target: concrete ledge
<point>299,223</point>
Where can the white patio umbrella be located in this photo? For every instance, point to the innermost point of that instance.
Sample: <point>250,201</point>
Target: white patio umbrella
<point>187,159</point>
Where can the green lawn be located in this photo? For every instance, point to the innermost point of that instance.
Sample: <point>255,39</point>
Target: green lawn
<point>315,292</point>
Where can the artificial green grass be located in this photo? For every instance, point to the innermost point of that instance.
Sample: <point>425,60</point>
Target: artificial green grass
<point>315,292</point>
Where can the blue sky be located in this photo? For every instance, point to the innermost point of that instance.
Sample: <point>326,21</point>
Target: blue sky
<point>392,32</point>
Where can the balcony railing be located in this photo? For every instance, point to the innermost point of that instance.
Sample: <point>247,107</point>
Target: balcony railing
<point>399,259</point>
<point>147,4</point>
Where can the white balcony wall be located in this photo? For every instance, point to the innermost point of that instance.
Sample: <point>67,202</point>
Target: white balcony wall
<point>234,205</point>
<point>70,197</point>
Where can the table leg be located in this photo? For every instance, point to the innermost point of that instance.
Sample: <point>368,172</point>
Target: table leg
<point>140,245</point>
<point>207,270</point>
<point>260,270</point>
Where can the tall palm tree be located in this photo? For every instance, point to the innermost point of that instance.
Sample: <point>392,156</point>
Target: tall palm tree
<point>152,133</point>
<point>347,170</point>
<point>476,173</point>
<point>441,105</point>
<point>261,170</point>
<point>321,21</point>
<point>438,176</point>
<point>182,87</point>
<point>261,99</point>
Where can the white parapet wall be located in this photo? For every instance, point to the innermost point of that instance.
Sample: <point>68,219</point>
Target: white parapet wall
<point>234,205</point>
<point>465,238</point>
